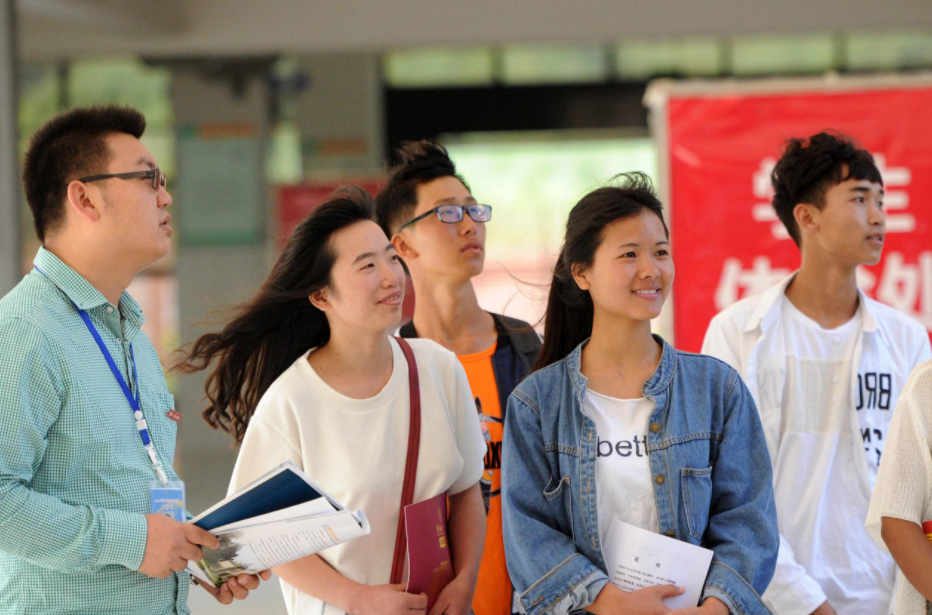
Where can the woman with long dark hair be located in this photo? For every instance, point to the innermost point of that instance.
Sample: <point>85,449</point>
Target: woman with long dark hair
<point>617,428</point>
<point>307,372</point>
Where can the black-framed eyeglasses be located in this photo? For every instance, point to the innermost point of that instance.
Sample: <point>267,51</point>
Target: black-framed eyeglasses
<point>451,214</point>
<point>157,177</point>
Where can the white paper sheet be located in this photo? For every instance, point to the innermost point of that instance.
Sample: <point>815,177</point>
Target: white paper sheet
<point>252,549</point>
<point>314,507</point>
<point>637,559</point>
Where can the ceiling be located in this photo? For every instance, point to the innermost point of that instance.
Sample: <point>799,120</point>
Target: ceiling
<point>51,29</point>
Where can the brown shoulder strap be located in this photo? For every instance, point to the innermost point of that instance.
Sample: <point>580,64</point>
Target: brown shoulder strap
<point>414,445</point>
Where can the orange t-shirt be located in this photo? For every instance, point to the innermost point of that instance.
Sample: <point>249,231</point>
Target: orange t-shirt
<point>493,591</point>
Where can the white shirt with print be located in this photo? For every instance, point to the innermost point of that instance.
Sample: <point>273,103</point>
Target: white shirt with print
<point>819,364</point>
<point>822,478</point>
<point>624,489</point>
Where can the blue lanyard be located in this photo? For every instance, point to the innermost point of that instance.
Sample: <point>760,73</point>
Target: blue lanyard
<point>141,424</point>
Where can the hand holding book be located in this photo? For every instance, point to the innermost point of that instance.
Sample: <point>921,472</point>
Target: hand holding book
<point>236,588</point>
<point>430,566</point>
<point>279,518</point>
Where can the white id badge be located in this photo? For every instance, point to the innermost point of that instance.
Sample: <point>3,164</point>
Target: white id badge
<point>167,499</point>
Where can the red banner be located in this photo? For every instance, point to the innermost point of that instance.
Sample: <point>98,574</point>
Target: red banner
<point>295,202</point>
<point>728,242</point>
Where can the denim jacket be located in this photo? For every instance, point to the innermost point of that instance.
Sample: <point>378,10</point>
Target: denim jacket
<point>711,473</point>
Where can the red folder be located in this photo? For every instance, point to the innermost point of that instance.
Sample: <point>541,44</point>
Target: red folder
<point>430,566</point>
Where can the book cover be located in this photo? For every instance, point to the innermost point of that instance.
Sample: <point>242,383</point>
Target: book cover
<point>430,565</point>
<point>283,487</point>
<point>281,517</point>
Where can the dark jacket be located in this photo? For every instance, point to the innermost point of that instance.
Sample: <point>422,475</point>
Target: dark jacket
<point>512,360</point>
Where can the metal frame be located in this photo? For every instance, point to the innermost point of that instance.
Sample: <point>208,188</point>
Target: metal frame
<point>10,240</point>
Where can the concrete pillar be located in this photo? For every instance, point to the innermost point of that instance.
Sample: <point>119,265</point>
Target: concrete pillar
<point>10,240</point>
<point>212,277</point>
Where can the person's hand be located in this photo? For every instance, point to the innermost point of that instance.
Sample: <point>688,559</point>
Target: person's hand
<point>713,606</point>
<point>647,601</point>
<point>456,598</point>
<point>170,544</point>
<point>824,609</point>
<point>237,588</point>
<point>387,600</point>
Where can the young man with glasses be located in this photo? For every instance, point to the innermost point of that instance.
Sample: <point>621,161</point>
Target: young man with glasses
<point>89,426</point>
<point>825,365</point>
<point>438,228</point>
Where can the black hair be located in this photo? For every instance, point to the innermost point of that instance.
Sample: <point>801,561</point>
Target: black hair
<point>568,320</point>
<point>279,324</point>
<point>418,163</point>
<point>810,166</point>
<point>69,146</point>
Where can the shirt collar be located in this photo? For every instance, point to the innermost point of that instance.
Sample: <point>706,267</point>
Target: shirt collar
<point>771,302</point>
<point>654,385</point>
<point>81,292</point>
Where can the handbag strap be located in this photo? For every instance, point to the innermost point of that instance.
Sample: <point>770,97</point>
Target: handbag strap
<point>414,445</point>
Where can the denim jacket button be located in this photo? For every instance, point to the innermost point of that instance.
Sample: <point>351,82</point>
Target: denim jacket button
<point>670,533</point>
<point>660,479</point>
<point>654,427</point>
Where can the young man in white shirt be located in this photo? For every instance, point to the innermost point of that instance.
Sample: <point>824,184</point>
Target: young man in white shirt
<point>825,365</point>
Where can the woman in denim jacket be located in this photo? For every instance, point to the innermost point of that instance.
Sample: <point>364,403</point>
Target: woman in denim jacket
<point>697,467</point>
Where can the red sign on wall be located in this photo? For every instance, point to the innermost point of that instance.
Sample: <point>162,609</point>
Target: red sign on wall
<point>295,202</point>
<point>728,242</point>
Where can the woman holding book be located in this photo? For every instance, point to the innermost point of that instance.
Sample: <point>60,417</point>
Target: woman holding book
<point>617,427</point>
<point>307,372</point>
<point>900,514</point>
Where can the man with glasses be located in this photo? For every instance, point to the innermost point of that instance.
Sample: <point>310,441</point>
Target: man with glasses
<point>89,426</point>
<point>438,228</point>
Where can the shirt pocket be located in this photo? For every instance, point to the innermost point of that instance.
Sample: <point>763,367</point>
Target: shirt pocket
<point>559,497</point>
<point>156,406</point>
<point>696,494</point>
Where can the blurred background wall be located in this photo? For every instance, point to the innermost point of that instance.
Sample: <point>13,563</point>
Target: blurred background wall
<point>256,109</point>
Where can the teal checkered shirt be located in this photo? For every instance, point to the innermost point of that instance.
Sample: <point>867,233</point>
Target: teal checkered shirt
<point>74,476</point>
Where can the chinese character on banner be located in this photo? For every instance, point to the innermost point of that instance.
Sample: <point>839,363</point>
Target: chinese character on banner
<point>908,286</point>
<point>726,237</point>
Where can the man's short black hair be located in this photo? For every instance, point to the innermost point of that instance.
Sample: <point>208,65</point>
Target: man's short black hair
<point>69,146</point>
<point>418,163</point>
<point>809,167</point>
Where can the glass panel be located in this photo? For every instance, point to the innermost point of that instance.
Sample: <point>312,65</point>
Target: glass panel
<point>39,98</point>
<point>129,81</point>
<point>888,51</point>
<point>689,57</point>
<point>123,81</point>
<point>783,54</point>
<point>437,67</point>
<point>283,164</point>
<point>530,64</point>
<point>532,180</point>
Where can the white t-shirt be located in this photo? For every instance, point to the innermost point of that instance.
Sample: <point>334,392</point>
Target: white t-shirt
<point>356,450</point>
<point>624,489</point>
<point>822,492</point>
